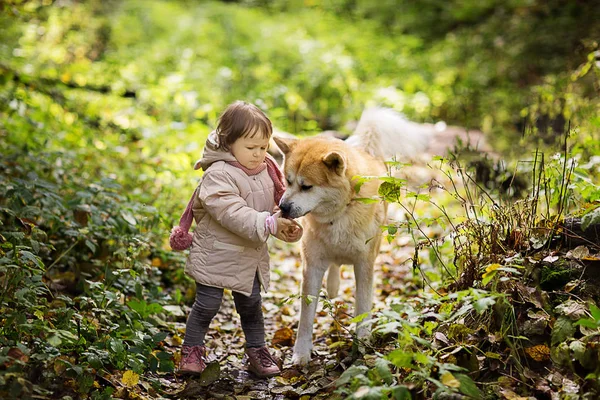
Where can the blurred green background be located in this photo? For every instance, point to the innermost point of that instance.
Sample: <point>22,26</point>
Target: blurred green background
<point>108,77</point>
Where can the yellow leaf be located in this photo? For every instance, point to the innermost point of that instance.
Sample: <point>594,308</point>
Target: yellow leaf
<point>283,337</point>
<point>174,340</point>
<point>59,365</point>
<point>449,380</point>
<point>156,262</point>
<point>491,268</point>
<point>130,378</point>
<point>177,357</point>
<point>490,271</point>
<point>337,344</point>
<point>489,354</point>
<point>282,381</point>
<point>541,352</point>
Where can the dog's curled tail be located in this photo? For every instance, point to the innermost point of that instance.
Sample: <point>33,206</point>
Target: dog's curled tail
<point>384,133</point>
<point>333,281</point>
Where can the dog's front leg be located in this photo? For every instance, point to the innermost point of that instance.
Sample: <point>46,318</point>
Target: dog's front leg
<point>363,273</point>
<point>312,279</point>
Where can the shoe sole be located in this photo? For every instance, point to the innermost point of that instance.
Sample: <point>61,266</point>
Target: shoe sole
<point>263,375</point>
<point>184,372</point>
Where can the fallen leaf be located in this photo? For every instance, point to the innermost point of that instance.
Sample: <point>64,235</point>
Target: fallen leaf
<point>570,387</point>
<point>578,252</point>
<point>283,337</point>
<point>291,373</point>
<point>442,338</point>
<point>530,294</point>
<point>449,380</point>
<point>174,310</point>
<point>283,390</point>
<point>550,259</point>
<point>572,309</point>
<point>361,391</point>
<point>210,374</point>
<point>490,354</point>
<point>174,340</point>
<point>156,262</point>
<point>16,354</point>
<point>541,352</point>
<point>59,366</point>
<point>130,378</point>
<point>510,395</point>
<point>572,285</point>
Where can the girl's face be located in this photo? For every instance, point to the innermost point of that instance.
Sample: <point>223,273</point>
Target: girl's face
<point>250,152</point>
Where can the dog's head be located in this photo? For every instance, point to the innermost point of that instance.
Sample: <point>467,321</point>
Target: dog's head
<point>316,171</point>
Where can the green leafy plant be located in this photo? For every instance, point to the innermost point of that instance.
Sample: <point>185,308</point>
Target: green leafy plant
<point>69,254</point>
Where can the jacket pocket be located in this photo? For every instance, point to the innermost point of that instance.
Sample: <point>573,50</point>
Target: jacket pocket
<point>227,246</point>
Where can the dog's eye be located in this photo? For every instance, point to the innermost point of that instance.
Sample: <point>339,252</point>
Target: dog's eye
<point>289,183</point>
<point>305,187</point>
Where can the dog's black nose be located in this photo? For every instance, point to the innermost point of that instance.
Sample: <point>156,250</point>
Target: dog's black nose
<point>285,209</point>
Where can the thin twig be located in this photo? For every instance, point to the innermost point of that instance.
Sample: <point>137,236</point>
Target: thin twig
<point>62,255</point>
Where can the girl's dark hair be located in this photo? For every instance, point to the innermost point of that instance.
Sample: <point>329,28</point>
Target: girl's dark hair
<point>242,119</point>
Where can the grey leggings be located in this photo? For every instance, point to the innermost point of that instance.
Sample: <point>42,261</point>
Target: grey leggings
<point>206,306</point>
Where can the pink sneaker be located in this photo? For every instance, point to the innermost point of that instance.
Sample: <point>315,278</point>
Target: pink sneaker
<point>192,360</point>
<point>262,362</point>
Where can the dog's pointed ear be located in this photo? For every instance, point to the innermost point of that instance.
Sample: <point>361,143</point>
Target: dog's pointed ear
<point>285,145</point>
<point>336,162</point>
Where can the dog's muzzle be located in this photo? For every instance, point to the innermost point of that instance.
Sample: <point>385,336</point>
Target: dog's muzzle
<point>288,210</point>
<point>285,208</point>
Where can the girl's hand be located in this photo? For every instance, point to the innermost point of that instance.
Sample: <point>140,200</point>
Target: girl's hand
<point>294,233</point>
<point>288,230</point>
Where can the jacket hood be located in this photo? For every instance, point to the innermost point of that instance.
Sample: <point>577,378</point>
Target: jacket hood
<point>211,154</point>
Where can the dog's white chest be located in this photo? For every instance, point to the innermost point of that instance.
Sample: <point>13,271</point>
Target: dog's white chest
<point>341,242</point>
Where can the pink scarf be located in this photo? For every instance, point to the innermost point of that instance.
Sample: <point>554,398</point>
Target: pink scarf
<point>181,238</point>
<point>272,169</point>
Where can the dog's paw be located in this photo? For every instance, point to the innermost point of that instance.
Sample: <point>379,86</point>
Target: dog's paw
<point>300,359</point>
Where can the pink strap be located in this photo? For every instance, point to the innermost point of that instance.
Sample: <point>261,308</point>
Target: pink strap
<point>276,176</point>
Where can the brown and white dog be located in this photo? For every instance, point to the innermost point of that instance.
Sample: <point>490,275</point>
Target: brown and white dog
<point>320,173</point>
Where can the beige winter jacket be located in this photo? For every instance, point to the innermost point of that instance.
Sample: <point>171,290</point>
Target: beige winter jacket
<point>230,210</point>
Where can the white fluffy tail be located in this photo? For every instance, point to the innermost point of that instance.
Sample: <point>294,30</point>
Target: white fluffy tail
<point>383,132</point>
<point>333,281</point>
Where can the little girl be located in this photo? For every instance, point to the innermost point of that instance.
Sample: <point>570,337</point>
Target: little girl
<point>233,207</point>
